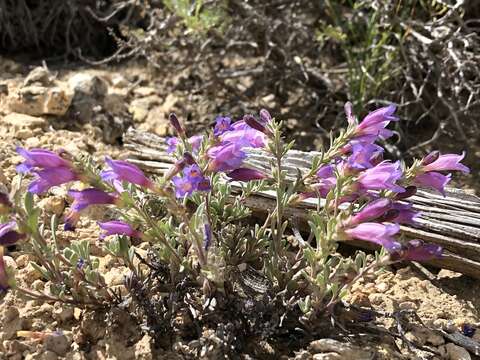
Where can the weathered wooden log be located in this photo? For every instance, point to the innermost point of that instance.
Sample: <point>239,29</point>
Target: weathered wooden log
<point>452,221</point>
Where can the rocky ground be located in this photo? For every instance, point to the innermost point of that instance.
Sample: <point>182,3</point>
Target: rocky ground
<point>85,110</point>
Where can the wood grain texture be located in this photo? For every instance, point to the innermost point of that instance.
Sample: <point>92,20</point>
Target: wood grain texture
<point>452,221</point>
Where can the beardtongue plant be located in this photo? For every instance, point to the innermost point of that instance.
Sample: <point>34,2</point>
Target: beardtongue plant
<point>195,219</point>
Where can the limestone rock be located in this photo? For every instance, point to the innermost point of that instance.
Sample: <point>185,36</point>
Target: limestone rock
<point>39,100</point>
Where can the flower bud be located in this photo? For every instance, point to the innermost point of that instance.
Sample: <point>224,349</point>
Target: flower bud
<point>265,116</point>
<point>409,191</point>
<point>253,123</point>
<point>430,158</point>
<point>176,125</point>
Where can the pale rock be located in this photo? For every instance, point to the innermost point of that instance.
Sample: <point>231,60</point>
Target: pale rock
<point>8,314</point>
<point>376,299</point>
<point>382,287</point>
<point>407,305</point>
<point>144,91</point>
<point>38,285</point>
<point>328,356</point>
<point>58,343</point>
<point>10,262</point>
<point>143,348</point>
<point>77,313</point>
<point>139,108</point>
<point>346,351</point>
<point>23,124</point>
<point>22,260</point>
<point>32,142</point>
<point>39,100</point>
<point>455,352</point>
<point>88,84</point>
<point>39,75</point>
<point>115,276</point>
<point>157,122</point>
<point>29,274</point>
<point>119,81</point>
<point>53,204</point>
<point>62,313</point>
<point>105,263</point>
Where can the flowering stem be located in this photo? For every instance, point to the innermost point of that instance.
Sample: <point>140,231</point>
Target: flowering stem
<point>153,225</point>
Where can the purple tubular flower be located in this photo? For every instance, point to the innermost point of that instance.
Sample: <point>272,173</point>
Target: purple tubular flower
<point>222,124</point>
<point>447,162</point>
<point>40,158</point>
<point>193,173</point>
<point>349,112</point>
<point>363,155</point>
<point>83,199</point>
<point>326,171</point>
<point>226,157</point>
<point>117,227</point>
<point>381,177</point>
<point>172,143</point>
<point>195,141</point>
<point>432,180</point>
<point>8,234</point>
<point>245,138</point>
<point>417,250</point>
<point>265,116</point>
<point>374,124</point>
<point>245,174</point>
<point>381,234</point>
<point>124,171</point>
<point>405,214</point>
<point>49,177</point>
<point>183,186</point>
<point>371,211</point>
<point>207,236</point>
<point>192,180</point>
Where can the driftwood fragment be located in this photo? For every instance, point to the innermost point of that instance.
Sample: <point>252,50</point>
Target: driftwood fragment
<point>452,221</point>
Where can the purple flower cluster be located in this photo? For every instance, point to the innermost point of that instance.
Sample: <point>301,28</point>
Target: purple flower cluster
<point>228,155</point>
<point>49,169</point>
<point>192,180</point>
